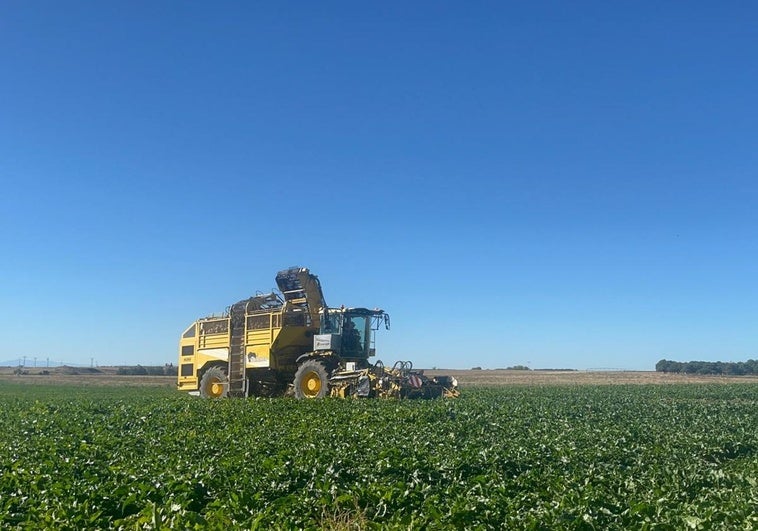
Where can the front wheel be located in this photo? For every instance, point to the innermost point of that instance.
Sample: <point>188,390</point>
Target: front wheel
<point>214,383</point>
<point>311,380</point>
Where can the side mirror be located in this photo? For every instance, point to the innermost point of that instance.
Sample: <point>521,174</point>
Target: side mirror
<point>387,321</point>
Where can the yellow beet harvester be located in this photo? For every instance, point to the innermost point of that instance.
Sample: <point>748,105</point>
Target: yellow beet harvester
<point>291,342</point>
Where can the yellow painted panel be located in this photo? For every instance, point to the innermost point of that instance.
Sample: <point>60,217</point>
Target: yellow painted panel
<point>214,341</point>
<point>259,337</point>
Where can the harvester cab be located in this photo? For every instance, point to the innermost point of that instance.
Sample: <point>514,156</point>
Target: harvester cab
<point>349,333</point>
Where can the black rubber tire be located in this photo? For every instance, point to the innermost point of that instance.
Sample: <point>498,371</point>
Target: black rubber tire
<point>311,380</point>
<point>214,383</point>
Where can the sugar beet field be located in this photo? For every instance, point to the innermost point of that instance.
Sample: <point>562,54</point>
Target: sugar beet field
<point>523,457</point>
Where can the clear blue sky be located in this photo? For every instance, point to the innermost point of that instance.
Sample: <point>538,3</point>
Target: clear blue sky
<point>549,183</point>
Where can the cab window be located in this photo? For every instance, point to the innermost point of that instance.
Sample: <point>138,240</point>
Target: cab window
<point>190,332</point>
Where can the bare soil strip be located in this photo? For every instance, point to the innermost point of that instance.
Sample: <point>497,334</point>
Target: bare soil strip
<point>506,377</point>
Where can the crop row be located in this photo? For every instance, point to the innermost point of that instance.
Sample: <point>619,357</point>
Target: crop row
<point>657,457</point>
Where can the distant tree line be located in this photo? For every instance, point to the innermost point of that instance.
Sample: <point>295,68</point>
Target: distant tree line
<point>731,368</point>
<point>150,370</point>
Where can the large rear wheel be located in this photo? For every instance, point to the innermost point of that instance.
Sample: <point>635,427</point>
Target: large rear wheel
<point>214,383</point>
<point>311,380</point>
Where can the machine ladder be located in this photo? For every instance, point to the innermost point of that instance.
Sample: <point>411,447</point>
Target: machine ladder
<point>236,371</point>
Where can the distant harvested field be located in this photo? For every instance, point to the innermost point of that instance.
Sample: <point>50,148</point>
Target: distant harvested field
<point>102,376</point>
<point>106,376</point>
<point>497,377</point>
